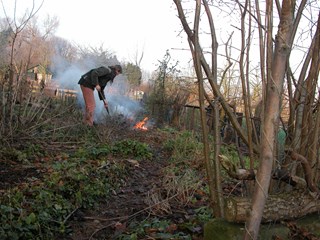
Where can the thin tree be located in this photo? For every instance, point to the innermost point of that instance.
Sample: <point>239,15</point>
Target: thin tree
<point>271,118</point>
<point>16,26</point>
<point>274,66</point>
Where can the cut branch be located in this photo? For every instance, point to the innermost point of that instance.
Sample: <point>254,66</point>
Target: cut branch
<point>279,174</point>
<point>306,168</point>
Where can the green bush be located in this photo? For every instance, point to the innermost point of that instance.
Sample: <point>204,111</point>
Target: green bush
<point>131,148</point>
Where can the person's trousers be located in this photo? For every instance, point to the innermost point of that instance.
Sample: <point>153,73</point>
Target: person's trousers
<point>90,105</point>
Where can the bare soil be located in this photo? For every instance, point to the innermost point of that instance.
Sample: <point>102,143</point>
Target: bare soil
<point>12,174</point>
<point>126,204</point>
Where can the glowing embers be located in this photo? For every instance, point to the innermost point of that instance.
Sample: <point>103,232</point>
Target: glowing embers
<point>141,125</point>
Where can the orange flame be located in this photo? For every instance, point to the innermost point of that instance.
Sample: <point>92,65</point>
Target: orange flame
<point>141,125</point>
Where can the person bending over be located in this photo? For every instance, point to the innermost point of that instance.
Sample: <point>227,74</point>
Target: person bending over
<point>96,78</point>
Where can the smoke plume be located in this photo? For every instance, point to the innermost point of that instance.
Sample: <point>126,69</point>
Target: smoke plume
<point>67,75</point>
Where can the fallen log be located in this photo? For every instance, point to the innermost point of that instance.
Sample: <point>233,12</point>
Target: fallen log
<point>284,206</point>
<point>281,174</point>
<point>304,199</point>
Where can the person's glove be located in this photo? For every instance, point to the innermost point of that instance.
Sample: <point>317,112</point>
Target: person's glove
<point>98,88</point>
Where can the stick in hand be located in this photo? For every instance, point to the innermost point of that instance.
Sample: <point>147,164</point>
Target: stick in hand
<point>104,101</point>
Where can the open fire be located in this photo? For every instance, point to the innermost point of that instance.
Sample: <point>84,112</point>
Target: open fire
<point>142,124</point>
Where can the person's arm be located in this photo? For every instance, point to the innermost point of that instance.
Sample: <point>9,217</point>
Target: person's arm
<point>98,72</point>
<point>101,94</point>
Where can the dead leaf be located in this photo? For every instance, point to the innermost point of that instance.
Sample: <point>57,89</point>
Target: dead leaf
<point>120,227</point>
<point>134,162</point>
<point>171,228</point>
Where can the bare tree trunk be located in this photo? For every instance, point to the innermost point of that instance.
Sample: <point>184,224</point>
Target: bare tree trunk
<point>245,81</point>
<point>9,106</point>
<point>197,54</point>
<point>215,87</point>
<point>258,122</point>
<point>315,148</point>
<point>302,128</point>
<point>274,60</point>
<point>17,28</point>
<point>195,47</point>
<point>310,127</point>
<point>217,138</point>
<point>271,119</point>
<point>292,97</point>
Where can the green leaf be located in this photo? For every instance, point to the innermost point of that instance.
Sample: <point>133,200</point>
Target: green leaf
<point>31,218</point>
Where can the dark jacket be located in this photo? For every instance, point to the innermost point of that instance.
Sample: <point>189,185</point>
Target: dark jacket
<point>101,76</point>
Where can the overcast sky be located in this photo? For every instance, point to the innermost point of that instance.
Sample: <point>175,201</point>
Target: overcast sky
<point>122,26</point>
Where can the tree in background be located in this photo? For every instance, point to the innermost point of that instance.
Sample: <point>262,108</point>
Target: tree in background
<point>169,93</point>
<point>17,64</point>
<point>273,63</point>
<point>64,54</point>
<point>134,74</point>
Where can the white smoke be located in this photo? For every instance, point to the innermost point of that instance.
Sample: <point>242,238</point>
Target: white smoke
<point>67,77</point>
<point>119,102</point>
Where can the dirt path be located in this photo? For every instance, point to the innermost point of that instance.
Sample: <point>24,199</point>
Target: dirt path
<point>129,203</point>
